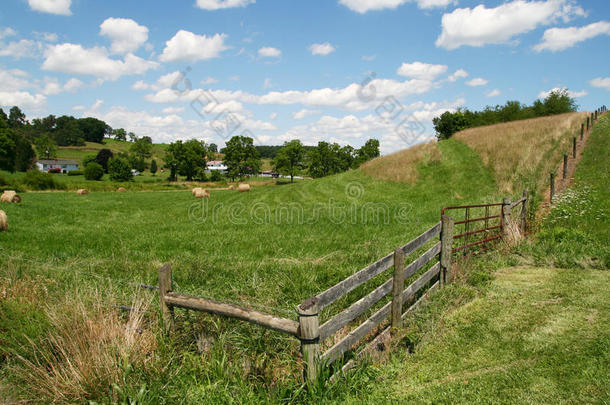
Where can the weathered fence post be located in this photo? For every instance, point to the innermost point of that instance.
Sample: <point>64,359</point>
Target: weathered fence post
<point>582,131</point>
<point>574,148</point>
<point>165,286</point>
<point>552,186</point>
<point>588,125</point>
<point>309,334</point>
<point>506,202</point>
<point>526,197</point>
<point>447,225</point>
<point>397,286</point>
<point>565,165</point>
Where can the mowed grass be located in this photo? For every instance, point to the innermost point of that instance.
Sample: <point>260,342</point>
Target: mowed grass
<point>534,335</point>
<point>92,148</point>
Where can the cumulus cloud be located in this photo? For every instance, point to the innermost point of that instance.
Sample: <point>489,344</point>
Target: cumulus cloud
<point>24,99</point>
<point>7,32</point>
<point>321,49</point>
<point>74,59</point>
<point>480,25</point>
<point>574,94</point>
<point>220,4</point>
<point>60,7</point>
<point>477,81</point>
<point>52,86</point>
<point>186,46</point>
<point>299,115</point>
<point>558,39</point>
<point>493,93</point>
<point>422,71</point>
<point>126,34</point>
<point>25,48</point>
<point>209,80</point>
<point>601,82</point>
<point>269,52</point>
<point>13,80</point>
<point>459,74</point>
<point>363,6</point>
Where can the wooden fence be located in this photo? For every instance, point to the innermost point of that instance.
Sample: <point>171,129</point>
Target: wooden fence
<point>347,328</point>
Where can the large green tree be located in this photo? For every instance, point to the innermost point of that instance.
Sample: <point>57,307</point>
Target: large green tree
<point>186,158</point>
<point>241,157</point>
<point>16,152</point>
<point>45,147</point>
<point>93,129</point>
<point>290,159</point>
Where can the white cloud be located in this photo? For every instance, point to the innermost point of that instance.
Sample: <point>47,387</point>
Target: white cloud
<point>49,36</point>
<point>269,52</point>
<point>25,48</point>
<point>369,58</point>
<point>73,58</point>
<point>140,85</point>
<point>7,32</point>
<point>363,6</point>
<point>493,93</point>
<point>126,34</point>
<point>353,97</point>
<point>477,81</point>
<point>73,85</point>
<point>299,115</point>
<point>601,82</point>
<point>23,99</point>
<point>267,84</point>
<point>481,25</point>
<point>273,116</point>
<point>61,7</point>
<point>558,39</point>
<point>422,71</point>
<point>459,74</point>
<point>173,110</point>
<point>13,79</point>
<point>220,4</point>
<point>187,46</point>
<point>574,94</point>
<point>321,49</point>
<point>209,80</point>
<point>52,86</point>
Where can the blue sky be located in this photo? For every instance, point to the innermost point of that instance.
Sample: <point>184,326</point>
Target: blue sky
<point>336,70</point>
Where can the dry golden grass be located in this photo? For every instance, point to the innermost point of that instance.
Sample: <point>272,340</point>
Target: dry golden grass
<point>402,166</point>
<point>86,352</point>
<point>521,150</point>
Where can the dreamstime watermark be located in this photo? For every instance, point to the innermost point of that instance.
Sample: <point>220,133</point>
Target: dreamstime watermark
<point>223,121</point>
<point>390,110</point>
<point>351,210</point>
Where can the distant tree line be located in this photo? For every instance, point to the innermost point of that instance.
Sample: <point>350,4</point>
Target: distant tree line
<point>243,159</point>
<point>557,102</point>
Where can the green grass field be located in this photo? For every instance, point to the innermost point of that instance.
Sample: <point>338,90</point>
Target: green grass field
<point>70,260</point>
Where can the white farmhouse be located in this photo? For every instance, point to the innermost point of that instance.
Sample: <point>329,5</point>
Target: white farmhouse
<point>64,165</point>
<point>216,165</point>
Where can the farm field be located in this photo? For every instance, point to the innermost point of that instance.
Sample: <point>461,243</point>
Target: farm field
<point>270,248</point>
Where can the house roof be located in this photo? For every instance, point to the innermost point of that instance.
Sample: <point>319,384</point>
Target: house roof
<point>57,162</point>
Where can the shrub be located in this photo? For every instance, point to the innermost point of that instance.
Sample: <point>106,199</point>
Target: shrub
<point>102,158</point>
<point>119,169</point>
<point>54,170</point>
<point>94,171</point>
<point>36,180</point>
<point>153,167</point>
<point>88,159</point>
<point>216,175</point>
<point>75,173</point>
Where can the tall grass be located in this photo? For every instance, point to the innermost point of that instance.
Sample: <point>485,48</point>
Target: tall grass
<point>522,153</point>
<point>88,350</point>
<point>402,166</point>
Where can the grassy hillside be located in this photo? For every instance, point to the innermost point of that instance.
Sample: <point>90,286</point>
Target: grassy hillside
<point>79,152</point>
<point>69,261</point>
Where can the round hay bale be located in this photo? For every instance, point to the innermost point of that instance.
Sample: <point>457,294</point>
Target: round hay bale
<point>10,196</point>
<point>242,188</point>
<point>195,190</point>
<point>201,193</point>
<point>121,190</point>
<point>82,191</point>
<point>3,221</point>
<point>231,187</point>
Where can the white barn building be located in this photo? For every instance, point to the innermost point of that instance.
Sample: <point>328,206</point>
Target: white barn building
<point>65,166</point>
